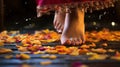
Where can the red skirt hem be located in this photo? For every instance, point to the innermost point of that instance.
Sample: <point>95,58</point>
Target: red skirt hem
<point>44,6</point>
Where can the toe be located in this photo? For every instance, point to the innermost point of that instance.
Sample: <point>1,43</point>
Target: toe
<point>67,42</point>
<point>55,24</point>
<point>73,41</point>
<point>83,38</point>
<point>59,28</point>
<point>76,41</point>
<point>80,41</point>
<point>59,31</point>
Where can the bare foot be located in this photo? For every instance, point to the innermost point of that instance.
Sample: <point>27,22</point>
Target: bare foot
<point>59,20</point>
<point>74,31</point>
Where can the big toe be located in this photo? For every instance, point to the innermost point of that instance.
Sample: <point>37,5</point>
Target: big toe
<point>66,42</point>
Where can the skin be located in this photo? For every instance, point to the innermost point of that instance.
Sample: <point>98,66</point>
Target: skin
<point>59,20</point>
<point>71,25</point>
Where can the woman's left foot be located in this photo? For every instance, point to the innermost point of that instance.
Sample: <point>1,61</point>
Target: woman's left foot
<point>59,20</point>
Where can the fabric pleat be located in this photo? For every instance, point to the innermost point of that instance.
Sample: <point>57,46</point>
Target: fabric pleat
<point>44,6</point>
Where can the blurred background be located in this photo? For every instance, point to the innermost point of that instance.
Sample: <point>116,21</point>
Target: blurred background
<point>21,15</point>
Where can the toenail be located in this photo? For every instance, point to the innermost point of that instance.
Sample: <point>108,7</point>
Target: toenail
<point>71,39</point>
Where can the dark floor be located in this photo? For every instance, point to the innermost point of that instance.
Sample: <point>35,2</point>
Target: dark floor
<point>106,18</point>
<point>61,60</point>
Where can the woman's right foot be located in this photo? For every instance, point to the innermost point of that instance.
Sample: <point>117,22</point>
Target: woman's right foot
<point>74,30</point>
<point>59,20</point>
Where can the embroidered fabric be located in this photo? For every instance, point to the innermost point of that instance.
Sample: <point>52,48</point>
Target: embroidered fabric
<point>44,6</point>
